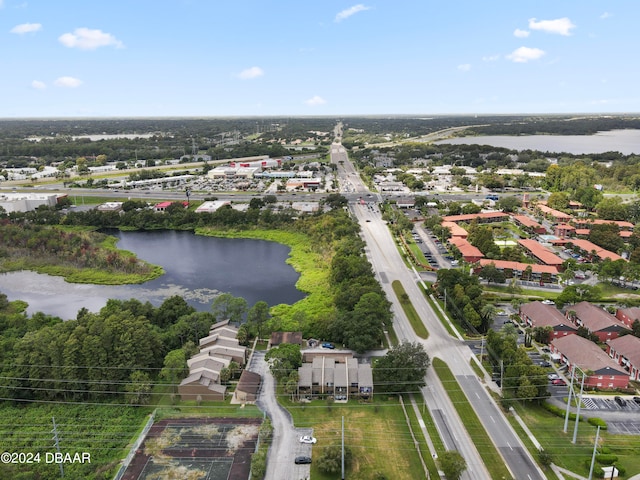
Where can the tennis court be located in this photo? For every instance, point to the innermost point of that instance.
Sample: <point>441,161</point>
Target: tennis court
<point>196,449</point>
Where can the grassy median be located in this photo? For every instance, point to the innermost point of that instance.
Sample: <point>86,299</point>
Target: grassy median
<point>409,310</point>
<point>489,454</point>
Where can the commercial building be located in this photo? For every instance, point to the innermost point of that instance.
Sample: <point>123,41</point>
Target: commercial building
<point>26,202</point>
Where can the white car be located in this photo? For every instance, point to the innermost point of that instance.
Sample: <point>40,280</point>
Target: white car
<point>548,302</point>
<point>553,376</point>
<point>308,439</point>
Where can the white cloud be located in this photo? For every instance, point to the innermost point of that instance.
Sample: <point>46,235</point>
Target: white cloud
<point>524,54</point>
<point>605,15</point>
<point>521,33</point>
<point>315,101</point>
<point>491,58</point>
<point>465,67</point>
<point>561,26</point>
<point>38,85</point>
<point>68,82</point>
<point>249,73</point>
<point>87,39</point>
<point>26,28</point>
<point>344,14</point>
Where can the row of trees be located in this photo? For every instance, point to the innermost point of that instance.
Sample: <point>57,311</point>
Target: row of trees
<point>116,353</point>
<point>521,379</point>
<point>464,300</point>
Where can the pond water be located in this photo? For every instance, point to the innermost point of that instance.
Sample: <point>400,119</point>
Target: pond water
<point>197,268</point>
<point>626,142</point>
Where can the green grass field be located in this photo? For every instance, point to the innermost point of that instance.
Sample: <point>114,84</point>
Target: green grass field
<point>377,433</point>
<point>548,430</point>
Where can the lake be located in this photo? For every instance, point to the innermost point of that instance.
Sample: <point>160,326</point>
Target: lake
<point>197,268</point>
<point>626,142</point>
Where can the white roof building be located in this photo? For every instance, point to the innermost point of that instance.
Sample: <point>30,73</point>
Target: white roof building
<point>25,202</point>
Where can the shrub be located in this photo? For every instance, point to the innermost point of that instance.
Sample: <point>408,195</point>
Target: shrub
<point>560,412</point>
<point>606,458</point>
<point>545,457</point>
<point>597,422</point>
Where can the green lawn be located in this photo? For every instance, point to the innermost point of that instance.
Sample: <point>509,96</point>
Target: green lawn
<point>377,433</point>
<point>548,430</point>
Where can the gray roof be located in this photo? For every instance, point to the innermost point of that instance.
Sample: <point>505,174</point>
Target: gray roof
<point>629,346</point>
<point>586,354</point>
<point>542,315</point>
<point>595,318</point>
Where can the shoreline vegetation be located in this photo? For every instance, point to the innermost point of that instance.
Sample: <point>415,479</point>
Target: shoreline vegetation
<point>77,255</point>
<point>314,271</point>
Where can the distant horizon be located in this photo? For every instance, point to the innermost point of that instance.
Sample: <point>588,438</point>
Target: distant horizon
<point>425,116</point>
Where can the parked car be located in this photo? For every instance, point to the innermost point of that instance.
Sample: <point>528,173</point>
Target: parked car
<point>544,364</point>
<point>302,460</point>
<point>308,439</point>
<point>620,401</point>
<point>548,302</point>
<point>546,349</point>
<point>558,382</point>
<point>553,376</point>
<point>328,345</point>
<point>637,400</point>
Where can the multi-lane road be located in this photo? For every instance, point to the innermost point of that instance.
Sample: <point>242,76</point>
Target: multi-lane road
<point>389,266</point>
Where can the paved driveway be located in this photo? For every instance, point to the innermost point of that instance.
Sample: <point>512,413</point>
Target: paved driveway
<point>285,446</point>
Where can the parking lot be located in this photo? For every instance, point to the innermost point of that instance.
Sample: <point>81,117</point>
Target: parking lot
<point>609,403</point>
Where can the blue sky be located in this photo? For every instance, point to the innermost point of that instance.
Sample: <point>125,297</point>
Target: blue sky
<point>70,58</point>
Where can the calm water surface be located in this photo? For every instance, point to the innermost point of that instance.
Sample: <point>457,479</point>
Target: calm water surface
<point>197,268</point>
<point>626,142</point>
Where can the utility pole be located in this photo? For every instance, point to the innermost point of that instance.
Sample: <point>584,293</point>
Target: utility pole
<point>57,444</point>
<point>593,456</point>
<point>566,416</point>
<point>575,429</point>
<point>342,477</point>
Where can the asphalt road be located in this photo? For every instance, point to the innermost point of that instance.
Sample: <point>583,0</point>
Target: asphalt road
<point>285,445</point>
<point>388,265</point>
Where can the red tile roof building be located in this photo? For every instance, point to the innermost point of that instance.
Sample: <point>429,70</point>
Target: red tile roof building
<point>541,253</point>
<point>485,217</point>
<point>588,247</point>
<point>470,253</point>
<point>542,273</point>
<point>556,215</point>
<point>455,229</point>
<point>564,230</point>
<point>529,224</point>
